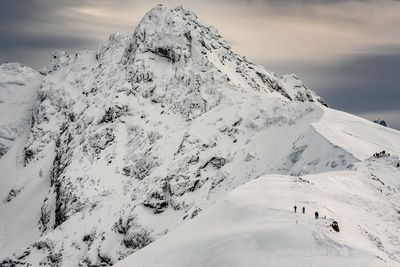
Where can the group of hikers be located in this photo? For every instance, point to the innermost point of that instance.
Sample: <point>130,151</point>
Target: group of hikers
<point>381,154</point>
<point>304,211</point>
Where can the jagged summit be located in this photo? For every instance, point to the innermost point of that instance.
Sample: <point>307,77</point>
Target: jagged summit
<point>173,45</point>
<point>166,32</point>
<point>177,35</point>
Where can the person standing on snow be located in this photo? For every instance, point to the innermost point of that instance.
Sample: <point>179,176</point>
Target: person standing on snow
<point>295,208</point>
<point>316,215</point>
<point>304,209</point>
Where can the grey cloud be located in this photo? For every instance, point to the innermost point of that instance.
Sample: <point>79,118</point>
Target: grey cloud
<point>20,13</point>
<point>361,84</point>
<point>390,117</point>
<point>34,50</point>
<point>364,83</point>
<point>44,41</point>
<point>283,2</point>
<point>356,83</point>
<point>32,28</point>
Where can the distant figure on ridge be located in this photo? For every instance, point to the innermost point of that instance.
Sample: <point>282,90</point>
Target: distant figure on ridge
<point>316,215</point>
<point>304,209</point>
<point>295,208</point>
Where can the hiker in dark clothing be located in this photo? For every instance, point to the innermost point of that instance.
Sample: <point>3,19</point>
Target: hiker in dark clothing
<point>304,209</point>
<point>381,154</point>
<point>295,208</point>
<point>316,215</point>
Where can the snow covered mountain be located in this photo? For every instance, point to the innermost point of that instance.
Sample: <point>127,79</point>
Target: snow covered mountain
<point>117,148</point>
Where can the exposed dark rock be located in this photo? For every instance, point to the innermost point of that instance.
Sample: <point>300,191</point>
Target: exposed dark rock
<point>237,123</point>
<point>196,184</point>
<point>141,168</point>
<point>23,255</point>
<point>168,53</point>
<point>126,171</point>
<point>12,194</point>
<point>302,180</point>
<point>99,141</point>
<point>156,201</point>
<point>381,122</point>
<point>249,157</point>
<point>137,238</point>
<point>7,262</point>
<point>3,149</point>
<point>195,213</point>
<point>135,235</point>
<point>104,259</point>
<point>275,86</point>
<point>296,153</point>
<point>89,238</point>
<point>188,36</point>
<point>45,213</point>
<point>28,155</point>
<point>215,162</point>
<point>53,258</point>
<point>193,159</point>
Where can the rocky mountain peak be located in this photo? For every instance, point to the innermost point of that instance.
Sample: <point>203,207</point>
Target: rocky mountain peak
<point>188,44</point>
<point>170,33</point>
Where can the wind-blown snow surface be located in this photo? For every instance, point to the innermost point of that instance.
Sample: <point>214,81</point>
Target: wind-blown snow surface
<point>254,225</point>
<point>18,92</point>
<point>133,140</point>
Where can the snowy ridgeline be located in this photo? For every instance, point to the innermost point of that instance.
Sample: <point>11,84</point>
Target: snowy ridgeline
<point>129,142</point>
<point>254,224</point>
<point>18,92</point>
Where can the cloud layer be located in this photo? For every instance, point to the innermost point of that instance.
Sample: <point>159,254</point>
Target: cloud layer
<point>338,47</point>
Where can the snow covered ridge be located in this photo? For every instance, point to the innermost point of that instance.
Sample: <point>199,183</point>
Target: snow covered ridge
<point>129,142</point>
<point>254,226</point>
<point>18,92</point>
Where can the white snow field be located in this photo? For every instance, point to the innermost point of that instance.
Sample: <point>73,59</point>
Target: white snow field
<point>18,92</point>
<point>166,148</point>
<point>254,225</point>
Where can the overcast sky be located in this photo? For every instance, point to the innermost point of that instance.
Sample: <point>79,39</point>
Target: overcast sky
<point>346,51</point>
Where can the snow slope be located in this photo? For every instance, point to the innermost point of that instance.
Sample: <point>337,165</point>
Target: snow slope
<point>255,225</point>
<point>358,136</point>
<point>18,93</point>
<point>22,193</point>
<point>135,139</point>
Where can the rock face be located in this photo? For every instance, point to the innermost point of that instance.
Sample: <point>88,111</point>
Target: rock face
<point>381,122</point>
<point>149,130</point>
